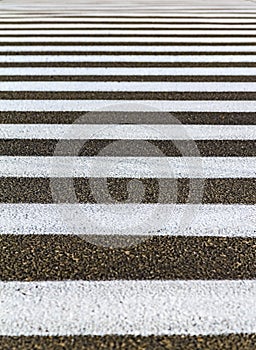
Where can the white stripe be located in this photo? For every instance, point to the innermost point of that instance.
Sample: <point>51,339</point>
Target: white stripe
<point>75,9</point>
<point>130,15</point>
<point>37,19</point>
<point>123,26</point>
<point>217,220</point>
<point>11,10</point>
<point>139,48</point>
<point>126,167</point>
<point>126,86</point>
<point>140,39</point>
<point>127,58</point>
<point>31,33</point>
<point>127,307</point>
<point>127,132</point>
<point>128,71</point>
<point>126,106</point>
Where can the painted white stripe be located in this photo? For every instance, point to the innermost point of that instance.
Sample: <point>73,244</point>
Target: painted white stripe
<point>129,14</point>
<point>127,71</point>
<point>139,48</point>
<point>114,6</point>
<point>31,9</point>
<point>127,132</point>
<point>128,58</point>
<point>200,6</point>
<point>126,106</point>
<point>128,167</point>
<point>53,32</point>
<point>57,8</point>
<point>124,26</point>
<point>127,307</point>
<point>28,8</point>
<point>218,220</point>
<point>126,86</point>
<point>36,19</point>
<point>141,39</point>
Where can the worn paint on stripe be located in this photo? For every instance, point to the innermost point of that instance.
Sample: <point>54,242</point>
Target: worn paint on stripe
<point>153,39</point>
<point>119,19</point>
<point>129,71</point>
<point>136,17</point>
<point>129,167</point>
<point>128,86</point>
<point>79,26</point>
<point>123,31</point>
<point>81,307</point>
<point>128,132</point>
<point>126,106</point>
<point>139,48</point>
<point>219,220</point>
<point>116,86</point>
<point>127,58</point>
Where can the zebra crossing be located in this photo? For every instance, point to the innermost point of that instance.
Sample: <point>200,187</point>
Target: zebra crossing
<point>128,175</point>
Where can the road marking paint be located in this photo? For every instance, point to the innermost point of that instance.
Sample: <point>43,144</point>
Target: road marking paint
<point>226,71</point>
<point>124,26</point>
<point>127,307</point>
<point>126,32</point>
<point>130,48</point>
<point>126,58</point>
<point>126,106</point>
<point>128,167</point>
<point>127,86</point>
<point>130,15</point>
<point>127,132</point>
<point>127,39</point>
<point>218,220</point>
<point>138,20</point>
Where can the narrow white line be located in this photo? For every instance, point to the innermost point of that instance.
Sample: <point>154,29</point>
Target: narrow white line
<point>58,308</point>
<point>128,71</point>
<point>203,6</point>
<point>123,26</point>
<point>130,15</point>
<point>127,132</point>
<point>128,58</point>
<point>35,10</point>
<point>126,106</point>
<point>217,220</point>
<point>31,33</point>
<point>139,48</point>
<point>141,39</point>
<point>128,167</point>
<point>142,20</point>
<point>127,86</point>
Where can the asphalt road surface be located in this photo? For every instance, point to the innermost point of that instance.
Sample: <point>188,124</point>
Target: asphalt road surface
<point>128,175</point>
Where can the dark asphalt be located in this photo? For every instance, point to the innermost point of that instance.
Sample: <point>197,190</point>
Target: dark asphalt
<point>204,148</point>
<point>215,191</point>
<point>114,342</point>
<point>73,257</point>
<point>208,118</point>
